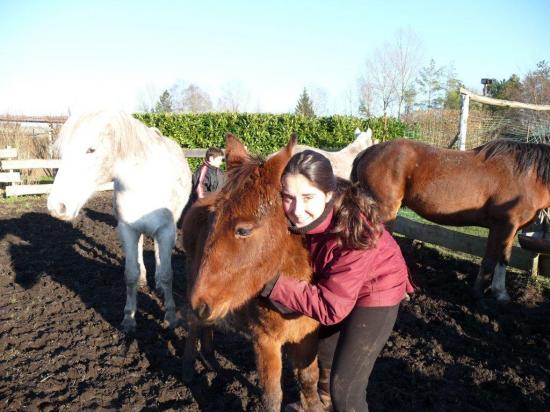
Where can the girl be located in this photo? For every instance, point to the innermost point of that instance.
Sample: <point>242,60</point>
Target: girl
<point>360,276</point>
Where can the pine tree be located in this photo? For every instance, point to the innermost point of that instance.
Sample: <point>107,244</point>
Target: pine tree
<point>430,82</point>
<point>164,104</point>
<point>304,106</point>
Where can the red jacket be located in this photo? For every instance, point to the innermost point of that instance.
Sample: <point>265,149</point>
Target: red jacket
<point>345,278</point>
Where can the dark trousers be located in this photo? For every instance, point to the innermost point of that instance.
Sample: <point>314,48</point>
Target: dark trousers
<point>350,349</point>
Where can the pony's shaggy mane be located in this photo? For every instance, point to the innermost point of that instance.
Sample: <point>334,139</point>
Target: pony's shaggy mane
<point>242,179</point>
<point>526,156</point>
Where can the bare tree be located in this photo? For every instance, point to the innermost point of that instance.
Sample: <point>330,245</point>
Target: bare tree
<point>147,98</point>
<point>380,77</point>
<point>366,98</point>
<point>536,84</point>
<point>405,55</point>
<point>196,100</point>
<point>319,98</point>
<point>234,98</point>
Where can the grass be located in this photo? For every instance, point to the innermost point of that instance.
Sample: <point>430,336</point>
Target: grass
<point>470,230</point>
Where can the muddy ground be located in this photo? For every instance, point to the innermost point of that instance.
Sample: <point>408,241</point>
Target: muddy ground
<point>62,296</point>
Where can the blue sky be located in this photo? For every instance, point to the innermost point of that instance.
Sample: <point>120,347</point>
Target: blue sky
<point>83,55</point>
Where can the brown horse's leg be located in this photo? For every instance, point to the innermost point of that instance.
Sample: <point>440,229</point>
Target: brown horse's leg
<point>269,363</point>
<point>498,285</point>
<point>497,255</point>
<point>303,356</point>
<point>207,348</point>
<point>190,352</point>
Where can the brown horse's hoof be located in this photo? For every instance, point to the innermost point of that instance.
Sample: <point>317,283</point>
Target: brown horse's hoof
<point>294,407</point>
<point>188,372</point>
<point>477,293</point>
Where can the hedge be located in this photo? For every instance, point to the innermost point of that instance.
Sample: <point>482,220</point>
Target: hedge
<point>266,133</point>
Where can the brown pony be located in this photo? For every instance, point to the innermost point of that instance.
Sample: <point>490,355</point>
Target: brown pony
<point>501,185</point>
<point>242,242</point>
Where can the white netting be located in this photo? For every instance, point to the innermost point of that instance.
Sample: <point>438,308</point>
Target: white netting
<point>485,122</point>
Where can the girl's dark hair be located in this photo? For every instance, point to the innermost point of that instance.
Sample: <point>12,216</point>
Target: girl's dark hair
<point>357,222</point>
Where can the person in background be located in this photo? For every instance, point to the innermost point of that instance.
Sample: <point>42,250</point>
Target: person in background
<point>208,177</point>
<point>360,277</point>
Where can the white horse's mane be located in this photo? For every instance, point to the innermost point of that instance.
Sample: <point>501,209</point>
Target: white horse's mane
<point>128,135</point>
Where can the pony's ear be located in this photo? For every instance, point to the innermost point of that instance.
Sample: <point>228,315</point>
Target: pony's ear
<point>277,163</point>
<point>235,152</point>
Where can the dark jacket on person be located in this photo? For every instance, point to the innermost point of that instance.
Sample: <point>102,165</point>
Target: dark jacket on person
<point>206,178</point>
<point>344,278</point>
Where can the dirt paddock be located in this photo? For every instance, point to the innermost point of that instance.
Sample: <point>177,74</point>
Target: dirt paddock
<point>61,347</point>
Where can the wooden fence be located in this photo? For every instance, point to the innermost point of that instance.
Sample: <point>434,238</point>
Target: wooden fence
<point>10,174</point>
<point>425,232</point>
<point>461,242</point>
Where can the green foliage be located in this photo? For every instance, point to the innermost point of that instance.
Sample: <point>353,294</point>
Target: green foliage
<point>304,106</point>
<point>510,89</point>
<point>267,133</point>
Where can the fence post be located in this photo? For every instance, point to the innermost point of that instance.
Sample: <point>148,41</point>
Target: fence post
<point>463,125</point>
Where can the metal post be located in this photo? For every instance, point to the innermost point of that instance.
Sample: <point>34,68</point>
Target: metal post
<point>463,125</point>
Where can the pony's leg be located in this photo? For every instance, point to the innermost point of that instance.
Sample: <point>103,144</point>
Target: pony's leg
<point>303,356</point>
<point>207,348</point>
<point>166,239</point>
<point>498,285</point>
<point>190,352</point>
<point>142,270</point>
<point>497,255</point>
<point>270,365</point>
<point>130,240</point>
<point>158,286</point>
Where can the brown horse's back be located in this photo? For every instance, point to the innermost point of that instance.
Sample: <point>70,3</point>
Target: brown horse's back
<point>443,185</point>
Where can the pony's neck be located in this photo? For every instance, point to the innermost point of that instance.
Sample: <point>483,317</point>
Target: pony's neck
<point>296,259</point>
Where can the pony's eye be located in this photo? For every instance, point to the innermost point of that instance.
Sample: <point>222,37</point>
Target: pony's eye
<point>243,232</point>
<point>90,150</point>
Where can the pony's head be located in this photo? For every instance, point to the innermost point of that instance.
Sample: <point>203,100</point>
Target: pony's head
<point>364,138</point>
<point>89,145</point>
<point>248,233</point>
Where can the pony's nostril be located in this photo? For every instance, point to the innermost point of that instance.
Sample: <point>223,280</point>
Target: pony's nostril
<point>203,311</point>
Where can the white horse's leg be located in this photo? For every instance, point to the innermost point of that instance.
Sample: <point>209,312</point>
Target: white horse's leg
<point>158,285</point>
<point>498,285</point>
<point>142,270</point>
<point>130,240</point>
<point>166,239</point>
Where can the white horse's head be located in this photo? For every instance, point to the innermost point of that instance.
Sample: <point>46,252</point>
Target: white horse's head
<point>89,145</point>
<point>365,138</point>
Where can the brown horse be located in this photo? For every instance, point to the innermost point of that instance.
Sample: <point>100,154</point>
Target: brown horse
<point>242,242</point>
<point>501,185</point>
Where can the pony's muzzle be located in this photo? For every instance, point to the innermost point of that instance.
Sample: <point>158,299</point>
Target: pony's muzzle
<point>203,311</point>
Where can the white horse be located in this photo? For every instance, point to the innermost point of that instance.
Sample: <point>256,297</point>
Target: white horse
<point>342,161</point>
<point>152,183</point>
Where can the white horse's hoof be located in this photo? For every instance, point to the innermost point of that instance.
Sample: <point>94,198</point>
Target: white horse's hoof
<point>171,319</point>
<point>503,297</point>
<point>128,324</point>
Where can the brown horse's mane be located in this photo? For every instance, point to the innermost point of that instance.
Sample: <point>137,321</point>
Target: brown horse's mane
<point>239,174</point>
<point>527,156</point>
<point>242,179</point>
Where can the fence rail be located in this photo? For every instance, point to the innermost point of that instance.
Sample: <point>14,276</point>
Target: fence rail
<point>9,171</point>
<point>461,242</point>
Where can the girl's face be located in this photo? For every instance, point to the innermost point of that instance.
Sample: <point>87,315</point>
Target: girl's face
<point>302,202</point>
